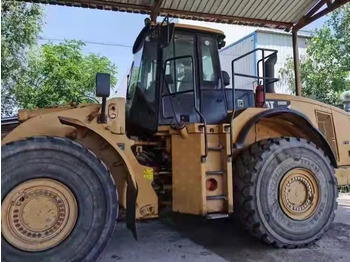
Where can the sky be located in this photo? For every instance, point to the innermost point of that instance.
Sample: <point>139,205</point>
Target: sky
<point>108,33</point>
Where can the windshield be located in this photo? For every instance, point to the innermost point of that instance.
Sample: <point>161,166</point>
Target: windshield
<point>143,71</point>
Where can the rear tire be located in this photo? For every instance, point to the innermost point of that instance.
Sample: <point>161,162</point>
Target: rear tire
<point>285,191</point>
<point>70,166</point>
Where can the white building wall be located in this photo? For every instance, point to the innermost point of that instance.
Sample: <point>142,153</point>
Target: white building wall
<point>244,65</point>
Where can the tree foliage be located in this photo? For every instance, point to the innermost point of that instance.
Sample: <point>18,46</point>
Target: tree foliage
<point>325,70</point>
<point>43,76</point>
<point>20,25</point>
<point>61,74</point>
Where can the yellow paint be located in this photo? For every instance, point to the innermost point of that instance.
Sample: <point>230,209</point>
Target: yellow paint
<point>38,214</point>
<point>148,174</point>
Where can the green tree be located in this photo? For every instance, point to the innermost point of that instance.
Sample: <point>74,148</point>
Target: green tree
<point>325,70</point>
<point>20,25</point>
<point>61,74</point>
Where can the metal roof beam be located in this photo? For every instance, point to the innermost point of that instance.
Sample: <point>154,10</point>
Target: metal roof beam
<point>98,4</point>
<point>313,16</point>
<point>297,74</point>
<point>155,10</point>
<point>223,18</point>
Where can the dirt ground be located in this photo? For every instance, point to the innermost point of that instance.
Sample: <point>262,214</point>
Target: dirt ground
<point>188,240</point>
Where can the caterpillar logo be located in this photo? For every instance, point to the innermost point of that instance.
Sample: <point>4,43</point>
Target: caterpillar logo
<point>277,104</point>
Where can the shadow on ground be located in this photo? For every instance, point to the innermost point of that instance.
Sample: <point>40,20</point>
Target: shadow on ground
<point>226,239</point>
<point>191,240</point>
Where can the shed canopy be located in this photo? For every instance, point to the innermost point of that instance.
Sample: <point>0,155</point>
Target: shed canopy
<point>282,14</point>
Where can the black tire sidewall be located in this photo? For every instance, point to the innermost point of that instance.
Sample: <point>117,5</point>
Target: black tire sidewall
<point>84,175</point>
<point>277,162</point>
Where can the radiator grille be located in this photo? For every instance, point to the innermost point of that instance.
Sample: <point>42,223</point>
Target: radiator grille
<point>326,126</point>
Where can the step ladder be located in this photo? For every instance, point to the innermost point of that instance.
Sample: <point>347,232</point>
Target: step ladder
<point>218,173</point>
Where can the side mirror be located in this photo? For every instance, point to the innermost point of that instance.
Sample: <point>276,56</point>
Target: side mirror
<point>221,43</point>
<point>103,87</point>
<point>166,34</point>
<point>103,84</point>
<point>225,78</point>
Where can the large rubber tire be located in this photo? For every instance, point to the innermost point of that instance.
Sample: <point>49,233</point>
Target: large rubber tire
<point>257,177</point>
<point>84,174</point>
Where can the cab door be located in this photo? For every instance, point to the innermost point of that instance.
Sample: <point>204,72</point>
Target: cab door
<point>179,86</point>
<point>213,101</point>
<point>141,98</point>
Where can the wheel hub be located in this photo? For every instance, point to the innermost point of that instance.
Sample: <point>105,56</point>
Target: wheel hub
<point>299,194</point>
<point>38,214</point>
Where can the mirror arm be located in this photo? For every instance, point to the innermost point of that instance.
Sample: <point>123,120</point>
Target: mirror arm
<point>102,118</point>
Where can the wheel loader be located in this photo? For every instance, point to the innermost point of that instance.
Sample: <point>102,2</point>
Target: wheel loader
<point>185,140</point>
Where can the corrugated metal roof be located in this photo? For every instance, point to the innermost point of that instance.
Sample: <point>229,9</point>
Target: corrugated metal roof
<point>268,13</point>
<point>301,33</point>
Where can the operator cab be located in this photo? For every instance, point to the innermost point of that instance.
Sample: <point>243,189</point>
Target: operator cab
<point>177,83</point>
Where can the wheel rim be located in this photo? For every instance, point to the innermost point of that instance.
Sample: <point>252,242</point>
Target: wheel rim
<point>38,214</point>
<point>299,194</point>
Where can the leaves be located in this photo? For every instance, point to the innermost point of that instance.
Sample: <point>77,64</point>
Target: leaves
<point>61,74</point>
<point>325,71</point>
<point>20,26</point>
<point>45,76</point>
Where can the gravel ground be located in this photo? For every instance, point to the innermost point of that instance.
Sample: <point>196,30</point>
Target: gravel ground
<point>192,240</point>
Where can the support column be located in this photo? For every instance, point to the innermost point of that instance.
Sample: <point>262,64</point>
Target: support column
<point>155,11</point>
<point>296,63</point>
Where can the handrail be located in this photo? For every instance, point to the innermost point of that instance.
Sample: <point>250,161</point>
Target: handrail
<point>253,51</point>
<point>258,77</point>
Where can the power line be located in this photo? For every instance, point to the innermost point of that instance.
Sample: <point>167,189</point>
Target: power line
<point>85,41</point>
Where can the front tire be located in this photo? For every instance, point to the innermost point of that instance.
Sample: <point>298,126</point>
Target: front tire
<point>285,191</point>
<point>59,202</point>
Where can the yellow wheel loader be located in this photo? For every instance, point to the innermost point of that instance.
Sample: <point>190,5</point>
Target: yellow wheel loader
<point>184,140</point>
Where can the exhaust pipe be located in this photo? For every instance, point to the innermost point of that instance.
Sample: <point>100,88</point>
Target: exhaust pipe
<point>270,72</point>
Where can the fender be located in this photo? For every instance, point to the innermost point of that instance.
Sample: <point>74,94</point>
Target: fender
<point>132,190</point>
<point>50,124</point>
<point>67,123</point>
<point>297,119</point>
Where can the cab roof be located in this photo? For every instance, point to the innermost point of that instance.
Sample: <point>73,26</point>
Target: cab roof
<point>199,28</point>
<point>220,34</point>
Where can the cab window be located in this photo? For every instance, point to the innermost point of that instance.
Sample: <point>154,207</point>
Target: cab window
<point>135,70</point>
<point>143,72</point>
<point>179,73</point>
<point>147,77</point>
<point>209,63</point>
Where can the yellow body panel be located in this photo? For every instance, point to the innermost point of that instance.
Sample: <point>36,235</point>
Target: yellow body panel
<point>190,173</point>
<point>339,122</point>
